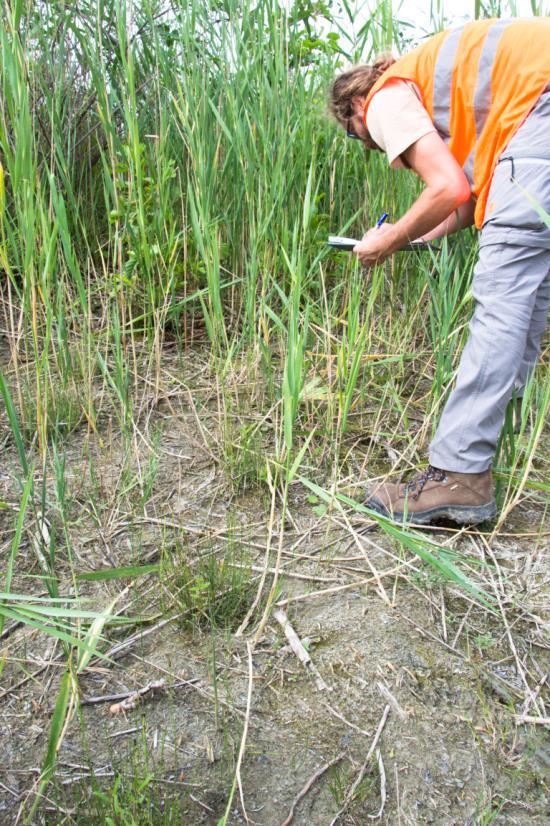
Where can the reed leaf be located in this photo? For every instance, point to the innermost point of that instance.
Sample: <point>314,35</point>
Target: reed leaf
<point>434,555</point>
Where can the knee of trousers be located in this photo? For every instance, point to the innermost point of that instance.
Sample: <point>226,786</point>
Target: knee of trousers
<point>504,324</point>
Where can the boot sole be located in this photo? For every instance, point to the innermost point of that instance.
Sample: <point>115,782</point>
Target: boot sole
<point>461,514</point>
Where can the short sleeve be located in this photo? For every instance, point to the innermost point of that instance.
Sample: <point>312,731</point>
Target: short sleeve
<point>396,118</point>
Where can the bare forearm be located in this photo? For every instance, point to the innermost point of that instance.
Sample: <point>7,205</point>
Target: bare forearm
<point>447,189</point>
<point>430,211</point>
<point>460,218</point>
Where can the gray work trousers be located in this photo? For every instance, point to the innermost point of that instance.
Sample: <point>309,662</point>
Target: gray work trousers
<point>511,288</point>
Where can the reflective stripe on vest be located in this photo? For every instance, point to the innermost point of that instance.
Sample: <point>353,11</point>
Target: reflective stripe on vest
<point>443,77</point>
<point>482,97</point>
<point>478,83</point>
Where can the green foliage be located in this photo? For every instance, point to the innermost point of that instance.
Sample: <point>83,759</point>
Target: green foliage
<point>484,641</point>
<point>60,410</point>
<point>124,802</point>
<point>209,591</point>
<point>243,454</point>
<point>131,797</point>
<point>164,167</point>
<point>340,780</point>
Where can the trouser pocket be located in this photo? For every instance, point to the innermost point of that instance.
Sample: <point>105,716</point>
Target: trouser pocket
<point>518,207</point>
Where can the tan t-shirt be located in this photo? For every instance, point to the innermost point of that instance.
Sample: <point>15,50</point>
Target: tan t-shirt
<point>396,119</point>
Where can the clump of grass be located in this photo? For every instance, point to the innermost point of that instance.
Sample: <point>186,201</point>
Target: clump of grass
<point>61,411</point>
<point>243,452</point>
<point>214,590</point>
<point>127,796</point>
<point>340,780</point>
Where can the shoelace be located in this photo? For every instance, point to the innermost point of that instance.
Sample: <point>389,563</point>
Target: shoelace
<point>418,482</point>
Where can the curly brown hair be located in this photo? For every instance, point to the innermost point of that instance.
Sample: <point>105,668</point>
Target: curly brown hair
<point>357,81</point>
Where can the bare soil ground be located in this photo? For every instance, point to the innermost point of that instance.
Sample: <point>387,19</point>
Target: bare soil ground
<point>403,661</point>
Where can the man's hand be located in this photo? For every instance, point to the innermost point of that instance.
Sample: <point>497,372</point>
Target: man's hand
<point>376,245</point>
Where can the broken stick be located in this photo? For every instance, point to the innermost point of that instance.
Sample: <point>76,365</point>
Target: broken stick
<point>299,649</point>
<point>319,773</point>
<point>133,700</point>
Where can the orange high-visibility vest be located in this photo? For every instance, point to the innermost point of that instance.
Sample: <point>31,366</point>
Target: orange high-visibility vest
<point>478,83</point>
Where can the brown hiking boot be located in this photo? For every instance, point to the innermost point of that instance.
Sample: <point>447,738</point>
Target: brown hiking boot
<point>466,498</point>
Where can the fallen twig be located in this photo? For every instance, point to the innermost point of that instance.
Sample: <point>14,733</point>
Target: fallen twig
<point>237,779</point>
<point>10,791</point>
<point>123,733</point>
<point>388,696</point>
<point>368,560</point>
<point>110,698</point>
<point>135,698</point>
<point>350,795</point>
<point>532,698</point>
<point>201,804</point>
<point>245,728</point>
<point>120,647</point>
<point>256,601</point>
<point>343,719</point>
<point>299,648</point>
<point>534,721</point>
<point>383,794</point>
<point>348,585</point>
<point>314,777</point>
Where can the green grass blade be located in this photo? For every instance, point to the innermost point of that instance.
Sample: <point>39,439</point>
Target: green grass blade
<point>16,541</point>
<point>118,573</point>
<point>55,737</point>
<point>428,551</point>
<point>14,424</point>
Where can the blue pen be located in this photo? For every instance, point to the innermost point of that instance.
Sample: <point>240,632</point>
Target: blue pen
<point>382,218</point>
